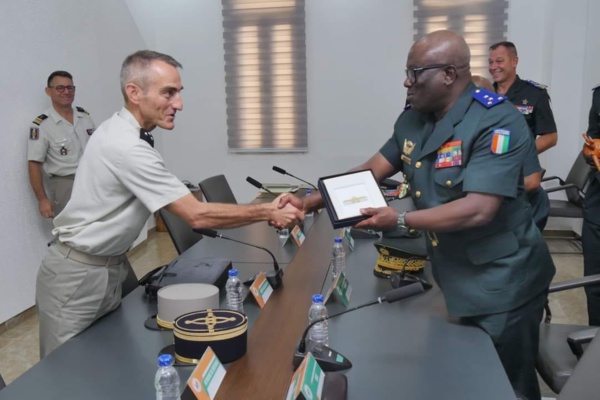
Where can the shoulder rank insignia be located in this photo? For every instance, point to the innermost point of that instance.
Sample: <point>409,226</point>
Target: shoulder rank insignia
<point>39,119</point>
<point>537,85</point>
<point>487,98</point>
<point>82,110</point>
<point>596,87</point>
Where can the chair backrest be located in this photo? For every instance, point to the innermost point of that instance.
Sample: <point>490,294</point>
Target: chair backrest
<point>131,282</point>
<point>181,233</point>
<point>578,176</point>
<point>216,189</point>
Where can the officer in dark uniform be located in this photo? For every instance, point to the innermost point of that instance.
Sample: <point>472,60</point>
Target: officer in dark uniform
<point>532,100</point>
<point>591,219</point>
<point>462,149</point>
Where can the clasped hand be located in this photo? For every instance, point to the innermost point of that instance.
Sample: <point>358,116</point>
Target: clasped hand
<point>287,211</point>
<point>381,219</point>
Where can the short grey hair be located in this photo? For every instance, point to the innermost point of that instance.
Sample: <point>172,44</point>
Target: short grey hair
<point>135,66</point>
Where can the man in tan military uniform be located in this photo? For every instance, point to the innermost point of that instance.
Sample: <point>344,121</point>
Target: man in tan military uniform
<point>57,139</point>
<point>121,180</point>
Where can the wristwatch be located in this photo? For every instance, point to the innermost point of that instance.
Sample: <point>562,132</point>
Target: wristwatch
<point>401,223</point>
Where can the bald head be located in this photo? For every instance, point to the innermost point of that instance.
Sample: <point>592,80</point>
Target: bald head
<point>482,82</point>
<point>445,47</point>
<point>438,71</point>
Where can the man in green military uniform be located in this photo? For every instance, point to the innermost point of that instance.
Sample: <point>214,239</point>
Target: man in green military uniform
<point>532,100</point>
<point>462,150</point>
<point>590,230</point>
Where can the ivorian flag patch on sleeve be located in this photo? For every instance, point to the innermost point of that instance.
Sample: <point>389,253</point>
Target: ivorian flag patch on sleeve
<point>500,141</point>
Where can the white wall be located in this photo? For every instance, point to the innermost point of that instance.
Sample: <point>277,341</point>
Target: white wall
<point>89,39</point>
<point>563,53</point>
<point>356,51</point>
<point>355,60</point>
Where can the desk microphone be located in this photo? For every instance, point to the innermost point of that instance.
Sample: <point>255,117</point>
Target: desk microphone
<point>274,277</point>
<point>331,360</point>
<point>284,172</point>
<point>259,185</point>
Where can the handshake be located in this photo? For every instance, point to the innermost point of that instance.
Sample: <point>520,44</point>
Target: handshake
<point>289,210</point>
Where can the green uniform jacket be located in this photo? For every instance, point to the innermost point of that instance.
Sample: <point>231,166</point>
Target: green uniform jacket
<point>479,146</point>
<point>592,195</point>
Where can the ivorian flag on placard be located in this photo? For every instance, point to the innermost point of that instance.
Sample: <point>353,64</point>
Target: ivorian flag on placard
<point>500,141</point>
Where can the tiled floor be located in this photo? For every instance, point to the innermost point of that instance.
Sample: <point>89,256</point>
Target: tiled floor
<point>19,342</point>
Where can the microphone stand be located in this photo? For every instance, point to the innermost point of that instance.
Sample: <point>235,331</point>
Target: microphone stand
<point>259,185</point>
<point>331,360</point>
<point>275,277</point>
<point>284,172</point>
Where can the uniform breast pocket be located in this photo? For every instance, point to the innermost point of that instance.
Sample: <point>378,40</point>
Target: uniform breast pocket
<point>498,262</point>
<point>448,182</point>
<point>64,148</point>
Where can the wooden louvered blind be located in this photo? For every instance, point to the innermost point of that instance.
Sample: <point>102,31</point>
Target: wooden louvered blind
<point>265,75</point>
<point>481,22</point>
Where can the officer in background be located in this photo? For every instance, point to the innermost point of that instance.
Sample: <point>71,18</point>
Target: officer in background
<point>590,230</point>
<point>462,150</point>
<point>532,100</point>
<point>57,139</point>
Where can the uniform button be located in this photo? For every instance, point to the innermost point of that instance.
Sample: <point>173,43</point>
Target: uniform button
<point>448,183</point>
<point>418,194</point>
<point>418,164</point>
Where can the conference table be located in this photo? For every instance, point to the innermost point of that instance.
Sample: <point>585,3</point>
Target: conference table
<point>405,350</point>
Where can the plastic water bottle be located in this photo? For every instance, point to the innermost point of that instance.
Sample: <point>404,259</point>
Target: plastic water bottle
<point>308,193</point>
<point>166,380</point>
<point>339,257</point>
<point>234,292</point>
<point>319,333</point>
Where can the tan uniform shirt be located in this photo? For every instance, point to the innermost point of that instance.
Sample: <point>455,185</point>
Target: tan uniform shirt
<point>57,143</point>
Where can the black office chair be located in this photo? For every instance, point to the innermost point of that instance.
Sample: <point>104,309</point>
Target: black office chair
<point>574,187</point>
<point>216,189</point>
<point>2,384</point>
<point>181,233</point>
<point>131,282</point>
<point>561,345</point>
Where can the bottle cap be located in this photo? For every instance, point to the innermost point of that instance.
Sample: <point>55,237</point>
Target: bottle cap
<point>317,298</point>
<point>164,360</point>
<point>338,240</point>
<point>233,272</point>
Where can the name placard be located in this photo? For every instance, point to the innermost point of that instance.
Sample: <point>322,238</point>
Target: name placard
<point>261,289</point>
<point>342,289</point>
<point>349,238</point>
<point>298,235</point>
<point>207,376</point>
<point>307,382</point>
